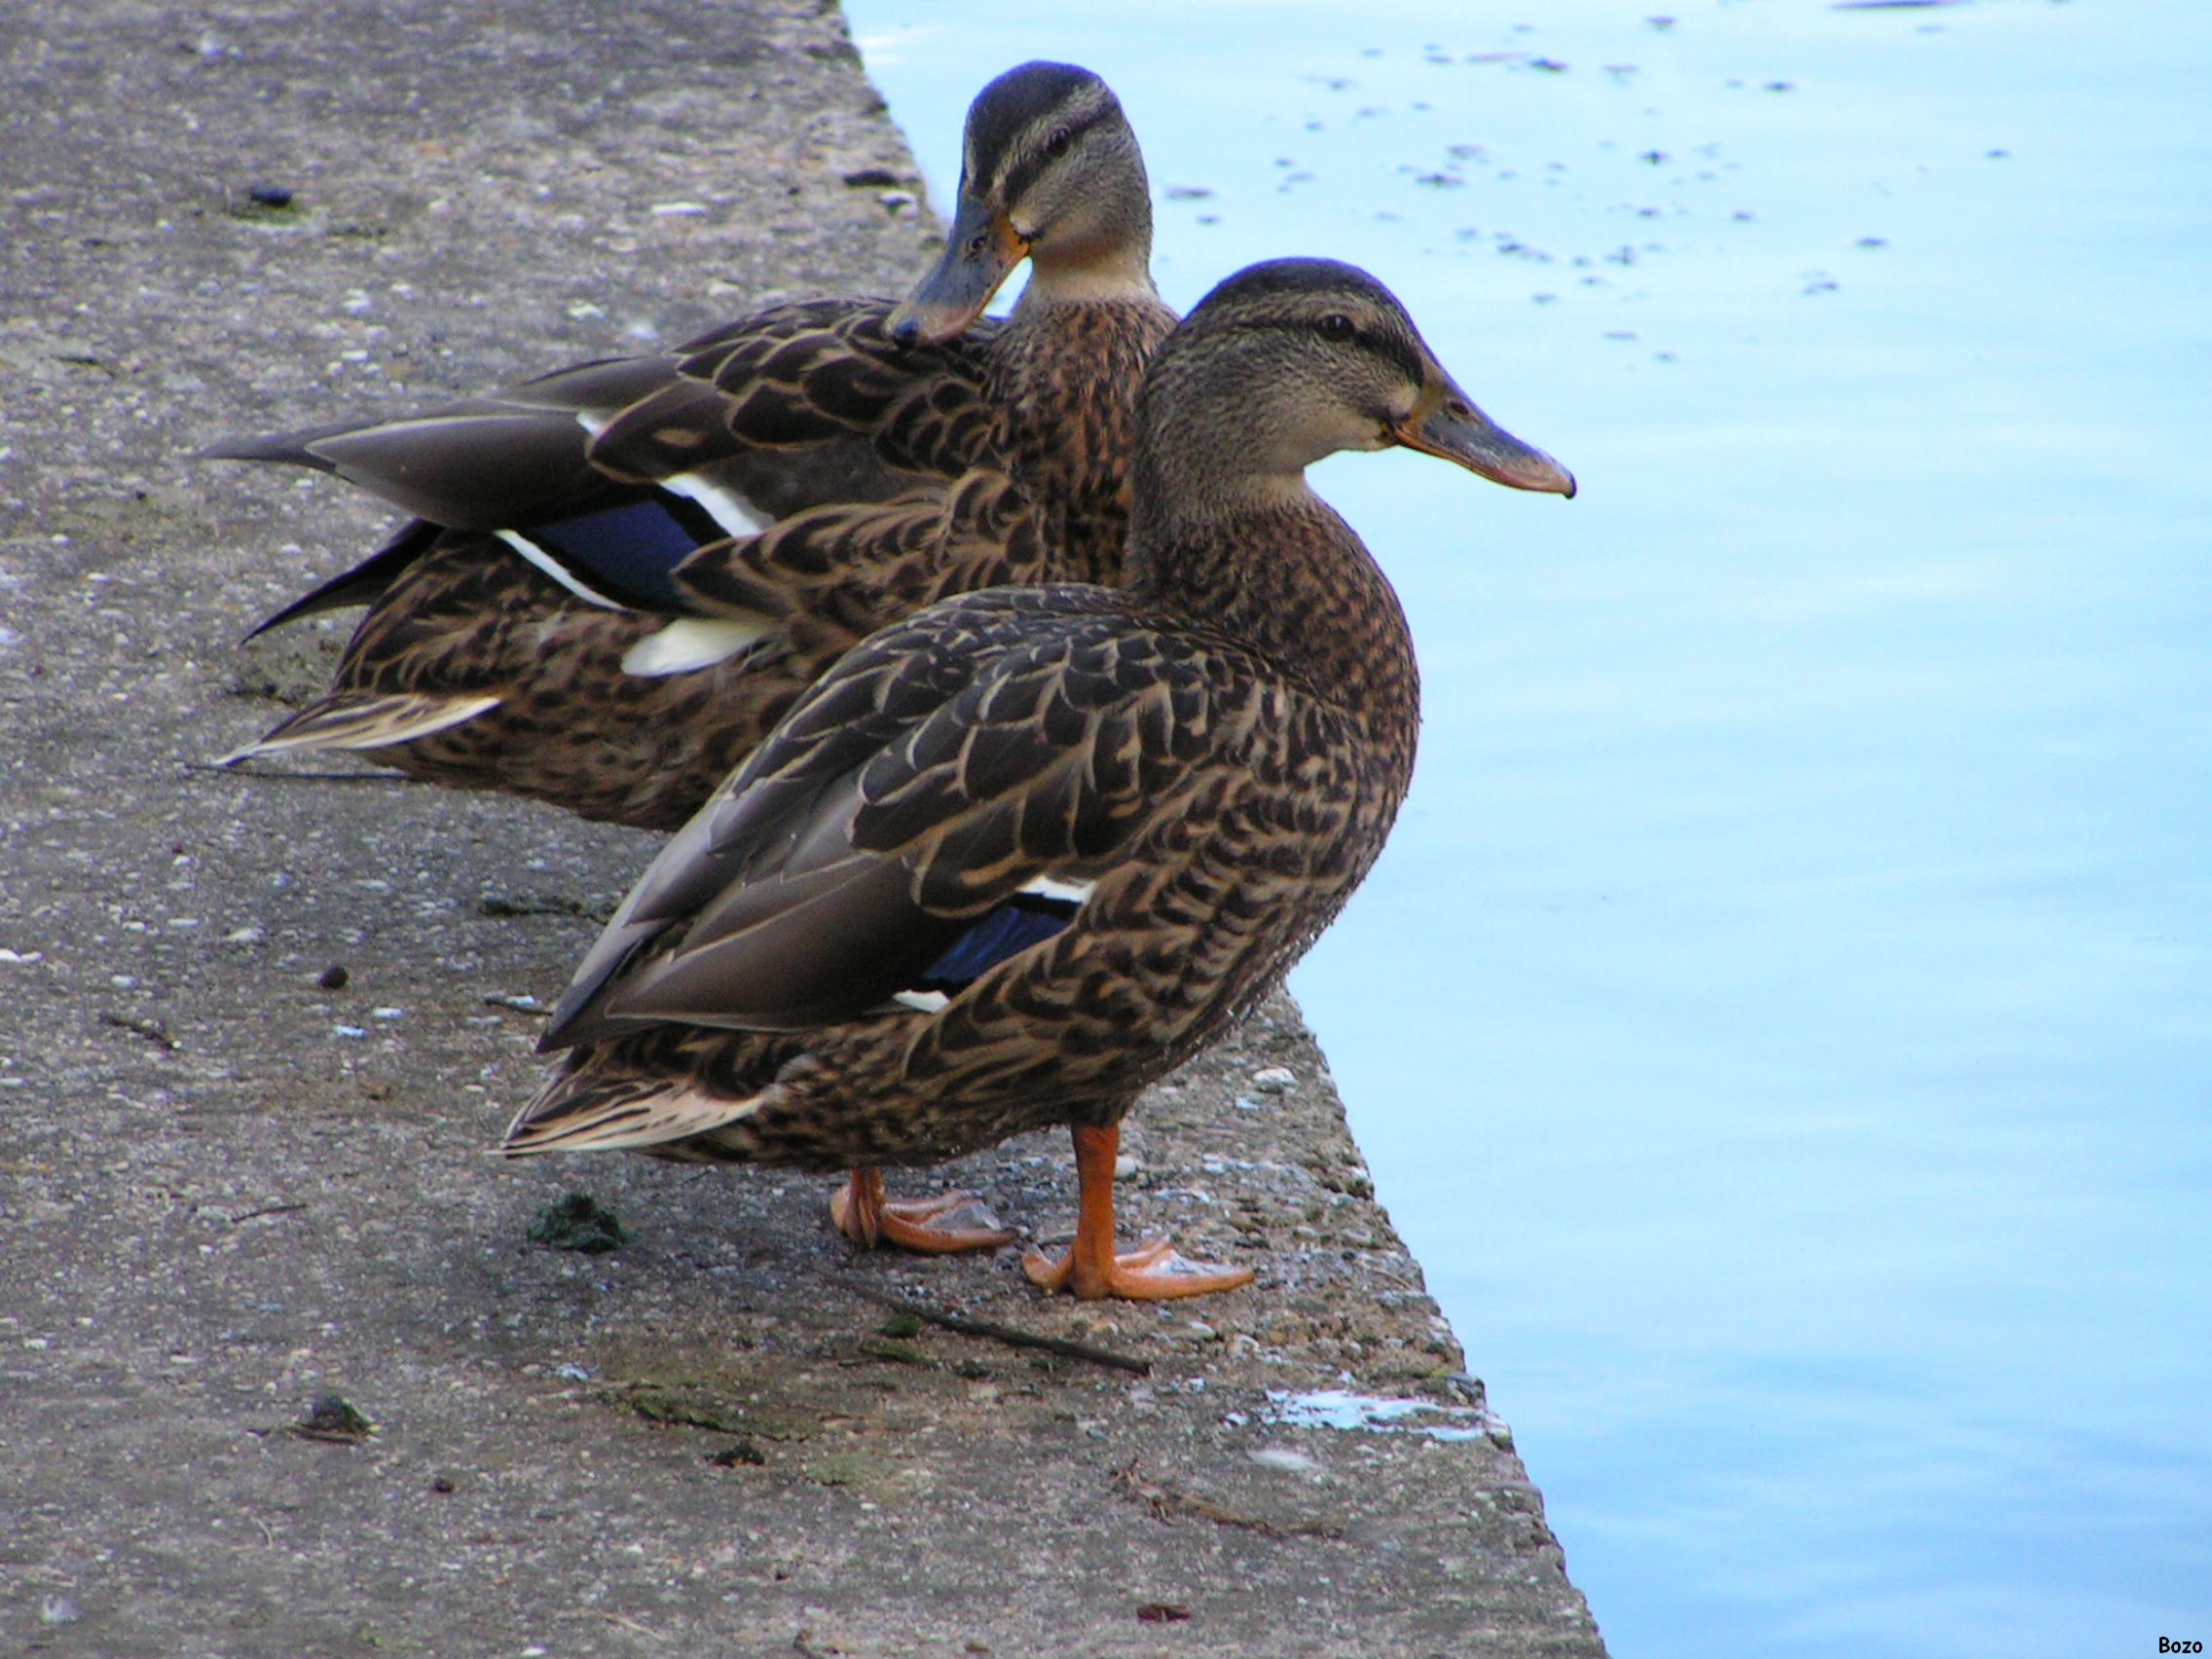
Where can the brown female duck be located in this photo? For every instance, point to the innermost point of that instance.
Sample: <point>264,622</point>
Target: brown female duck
<point>1022,853</point>
<point>519,634</point>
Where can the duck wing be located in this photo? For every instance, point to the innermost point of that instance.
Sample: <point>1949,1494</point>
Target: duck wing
<point>990,754</point>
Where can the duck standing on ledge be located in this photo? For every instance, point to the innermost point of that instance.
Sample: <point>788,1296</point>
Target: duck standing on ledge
<point>1018,856</point>
<point>519,632</point>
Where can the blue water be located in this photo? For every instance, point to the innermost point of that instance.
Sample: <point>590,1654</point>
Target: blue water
<point>1782,1020</point>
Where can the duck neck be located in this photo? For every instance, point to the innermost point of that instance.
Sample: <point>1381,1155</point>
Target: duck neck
<point>1265,560</point>
<point>1063,380</point>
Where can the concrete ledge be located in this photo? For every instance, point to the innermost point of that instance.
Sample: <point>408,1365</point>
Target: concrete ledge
<point>229,1186</point>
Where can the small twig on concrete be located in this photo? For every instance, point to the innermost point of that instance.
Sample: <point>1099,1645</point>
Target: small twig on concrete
<point>964,1326</point>
<point>1165,1503</point>
<point>153,1030</point>
<point>266,1209</point>
<point>646,1630</point>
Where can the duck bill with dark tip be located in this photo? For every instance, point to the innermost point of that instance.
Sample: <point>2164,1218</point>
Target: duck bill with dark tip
<point>980,252</point>
<point>1446,422</point>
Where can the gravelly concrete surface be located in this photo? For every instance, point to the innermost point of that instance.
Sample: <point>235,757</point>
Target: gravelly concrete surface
<point>227,1189</point>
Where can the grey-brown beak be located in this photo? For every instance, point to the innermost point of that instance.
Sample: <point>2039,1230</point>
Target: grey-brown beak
<point>1446,422</point>
<point>980,253</point>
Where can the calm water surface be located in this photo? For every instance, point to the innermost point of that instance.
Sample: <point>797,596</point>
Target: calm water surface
<point>1783,1021</point>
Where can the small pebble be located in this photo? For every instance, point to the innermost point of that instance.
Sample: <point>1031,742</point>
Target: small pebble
<point>271,195</point>
<point>1274,1080</point>
<point>58,1609</point>
<point>333,977</point>
<point>333,1416</point>
<point>871,178</point>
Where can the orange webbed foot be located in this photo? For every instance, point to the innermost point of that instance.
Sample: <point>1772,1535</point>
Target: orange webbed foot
<point>941,1226</point>
<point>1151,1272</point>
<point>1092,1269</point>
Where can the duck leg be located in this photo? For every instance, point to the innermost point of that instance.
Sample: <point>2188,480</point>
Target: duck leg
<point>935,1227</point>
<point>1151,1272</point>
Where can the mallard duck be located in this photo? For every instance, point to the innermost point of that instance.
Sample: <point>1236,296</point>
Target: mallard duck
<point>519,634</point>
<point>1019,855</point>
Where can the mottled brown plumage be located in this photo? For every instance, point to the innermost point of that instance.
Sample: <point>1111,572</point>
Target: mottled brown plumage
<point>917,461</point>
<point>1021,854</point>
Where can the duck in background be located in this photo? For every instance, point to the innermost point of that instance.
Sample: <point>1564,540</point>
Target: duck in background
<point>1018,856</point>
<point>580,610</point>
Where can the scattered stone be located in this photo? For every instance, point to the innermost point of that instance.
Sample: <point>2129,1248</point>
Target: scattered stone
<point>870,178</point>
<point>333,977</point>
<point>1274,1080</point>
<point>335,1419</point>
<point>275,197</point>
<point>579,1222</point>
<point>58,1611</point>
<point>1162,1612</point>
<point>736,1452</point>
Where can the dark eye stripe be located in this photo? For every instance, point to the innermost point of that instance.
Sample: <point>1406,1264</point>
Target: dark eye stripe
<point>1025,172</point>
<point>1383,345</point>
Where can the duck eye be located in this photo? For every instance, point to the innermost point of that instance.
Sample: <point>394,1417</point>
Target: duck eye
<point>1336,326</point>
<point>1058,144</point>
